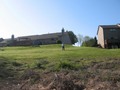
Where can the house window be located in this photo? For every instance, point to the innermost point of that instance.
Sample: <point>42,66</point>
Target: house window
<point>112,37</point>
<point>52,39</point>
<point>112,30</point>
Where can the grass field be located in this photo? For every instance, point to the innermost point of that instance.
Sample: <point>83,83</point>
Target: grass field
<point>54,54</point>
<point>86,61</point>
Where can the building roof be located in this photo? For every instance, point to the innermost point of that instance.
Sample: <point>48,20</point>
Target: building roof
<point>43,36</point>
<point>108,26</point>
<point>5,41</point>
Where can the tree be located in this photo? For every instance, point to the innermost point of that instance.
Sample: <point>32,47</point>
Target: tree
<point>86,38</point>
<point>89,42</point>
<point>73,37</point>
<point>86,41</point>
<point>1,39</point>
<point>95,42</point>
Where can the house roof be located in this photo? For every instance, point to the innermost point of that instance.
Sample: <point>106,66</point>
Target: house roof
<point>43,36</point>
<point>108,26</point>
<point>5,41</point>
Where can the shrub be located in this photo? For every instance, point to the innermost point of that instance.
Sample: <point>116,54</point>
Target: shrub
<point>59,41</point>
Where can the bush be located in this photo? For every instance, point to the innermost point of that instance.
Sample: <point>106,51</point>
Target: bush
<point>59,41</point>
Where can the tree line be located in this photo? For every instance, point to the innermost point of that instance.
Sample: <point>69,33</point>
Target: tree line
<point>86,41</point>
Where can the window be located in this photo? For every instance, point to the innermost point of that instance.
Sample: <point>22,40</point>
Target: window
<point>112,30</point>
<point>52,39</point>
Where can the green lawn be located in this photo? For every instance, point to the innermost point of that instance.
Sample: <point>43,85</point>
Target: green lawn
<point>53,55</point>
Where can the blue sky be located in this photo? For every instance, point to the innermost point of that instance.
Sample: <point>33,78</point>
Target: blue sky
<point>34,17</point>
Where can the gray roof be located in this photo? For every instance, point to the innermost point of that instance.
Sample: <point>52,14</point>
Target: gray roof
<point>5,41</point>
<point>43,36</point>
<point>109,26</point>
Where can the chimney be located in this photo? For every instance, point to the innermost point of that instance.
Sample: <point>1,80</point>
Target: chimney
<point>12,37</point>
<point>63,30</point>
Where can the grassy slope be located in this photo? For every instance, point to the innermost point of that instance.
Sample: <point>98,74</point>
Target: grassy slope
<point>86,62</point>
<point>53,53</point>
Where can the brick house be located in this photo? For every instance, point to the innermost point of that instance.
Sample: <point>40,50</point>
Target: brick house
<point>109,36</point>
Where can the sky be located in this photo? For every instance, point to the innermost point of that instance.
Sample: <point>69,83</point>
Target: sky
<point>35,17</point>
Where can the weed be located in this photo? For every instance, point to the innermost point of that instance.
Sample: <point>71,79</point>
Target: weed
<point>40,64</point>
<point>66,65</point>
<point>16,64</point>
